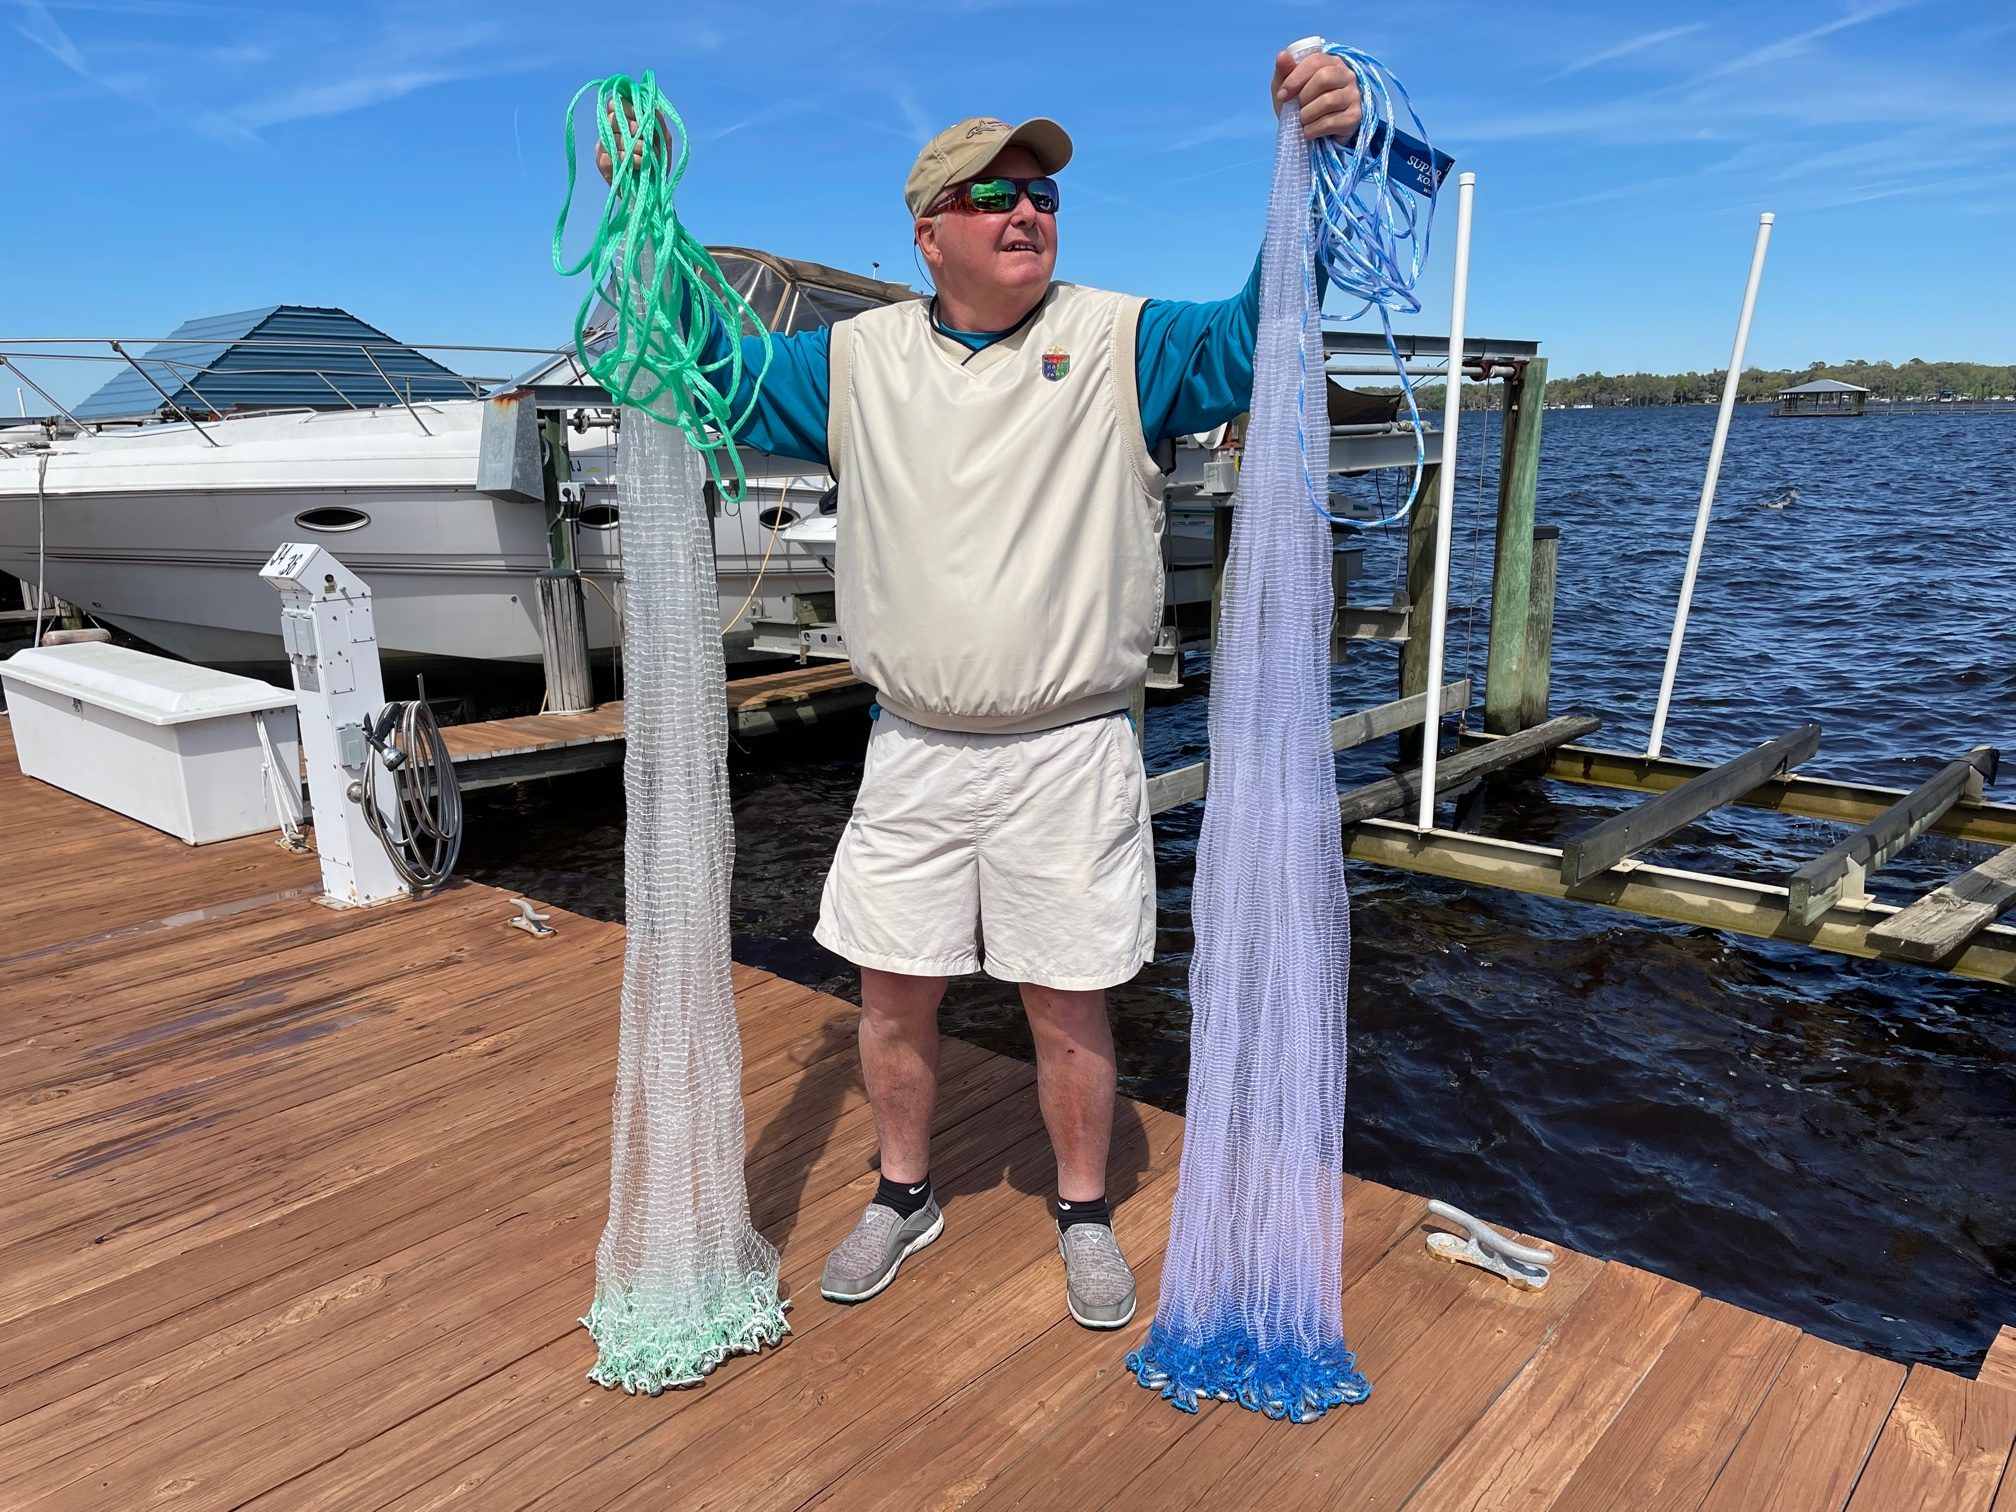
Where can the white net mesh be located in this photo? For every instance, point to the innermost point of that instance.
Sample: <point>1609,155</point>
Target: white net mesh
<point>682,1280</point>
<point>1251,1301</point>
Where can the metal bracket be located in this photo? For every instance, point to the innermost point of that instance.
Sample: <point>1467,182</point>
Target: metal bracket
<point>1487,1249</point>
<point>530,919</point>
<point>822,640</point>
<point>1165,661</point>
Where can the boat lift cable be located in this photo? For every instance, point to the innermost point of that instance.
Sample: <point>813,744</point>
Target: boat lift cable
<point>423,833</point>
<point>1373,204</point>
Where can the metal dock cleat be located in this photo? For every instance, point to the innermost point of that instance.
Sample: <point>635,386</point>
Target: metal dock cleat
<point>1487,1249</point>
<point>531,920</point>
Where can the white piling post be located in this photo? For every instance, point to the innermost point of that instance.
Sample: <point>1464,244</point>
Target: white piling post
<point>1466,188</point>
<point>1708,485</point>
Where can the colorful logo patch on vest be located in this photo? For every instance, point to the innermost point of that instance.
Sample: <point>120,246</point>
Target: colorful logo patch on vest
<point>1056,363</point>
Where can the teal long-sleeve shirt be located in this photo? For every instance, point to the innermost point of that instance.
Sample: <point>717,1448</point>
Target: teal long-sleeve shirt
<point>1193,366</point>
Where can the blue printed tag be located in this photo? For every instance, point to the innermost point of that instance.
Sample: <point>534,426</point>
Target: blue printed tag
<point>1415,165</point>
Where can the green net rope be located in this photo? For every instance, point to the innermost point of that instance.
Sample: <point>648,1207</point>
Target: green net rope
<point>683,1279</point>
<point>667,292</point>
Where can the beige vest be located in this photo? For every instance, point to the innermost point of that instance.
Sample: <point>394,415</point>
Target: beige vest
<point>999,559</point>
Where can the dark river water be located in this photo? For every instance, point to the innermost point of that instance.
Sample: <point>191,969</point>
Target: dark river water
<point>1827,1141</point>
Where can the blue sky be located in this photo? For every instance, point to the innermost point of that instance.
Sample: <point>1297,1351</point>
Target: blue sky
<point>172,158</point>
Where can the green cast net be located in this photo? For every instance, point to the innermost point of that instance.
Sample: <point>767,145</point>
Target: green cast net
<point>682,1277</point>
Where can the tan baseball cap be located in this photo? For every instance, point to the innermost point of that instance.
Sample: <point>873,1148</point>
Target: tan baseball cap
<point>964,150</point>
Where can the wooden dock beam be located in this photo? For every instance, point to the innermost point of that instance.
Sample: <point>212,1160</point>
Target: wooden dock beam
<point>1603,845</point>
<point>1807,797</point>
<point>1842,871</point>
<point>1389,793</point>
<point>1942,922</point>
<point>1732,904</point>
<point>1506,669</point>
<point>1173,789</point>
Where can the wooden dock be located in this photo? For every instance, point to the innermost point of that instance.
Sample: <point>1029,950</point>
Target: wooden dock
<point>492,752</point>
<point>300,1207</point>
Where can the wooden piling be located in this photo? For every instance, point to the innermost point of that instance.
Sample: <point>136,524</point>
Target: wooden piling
<point>1420,598</point>
<point>1340,594</point>
<point>1512,568</point>
<point>1221,552</point>
<point>563,643</point>
<point>1536,671</point>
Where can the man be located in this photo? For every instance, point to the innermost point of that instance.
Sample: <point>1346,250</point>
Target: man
<point>1000,585</point>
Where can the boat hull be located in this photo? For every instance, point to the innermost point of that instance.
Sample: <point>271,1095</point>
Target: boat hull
<point>165,541</point>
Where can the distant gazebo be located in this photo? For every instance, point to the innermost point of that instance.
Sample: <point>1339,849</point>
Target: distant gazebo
<point>1823,396</point>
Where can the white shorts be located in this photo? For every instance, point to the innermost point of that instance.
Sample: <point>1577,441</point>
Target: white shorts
<point>1027,856</point>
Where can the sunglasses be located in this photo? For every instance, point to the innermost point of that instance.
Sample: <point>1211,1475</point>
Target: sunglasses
<point>997,196</point>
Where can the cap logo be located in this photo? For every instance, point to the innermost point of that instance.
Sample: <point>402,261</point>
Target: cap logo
<point>1056,363</point>
<point>985,128</point>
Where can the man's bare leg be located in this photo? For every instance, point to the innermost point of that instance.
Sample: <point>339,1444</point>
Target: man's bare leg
<point>899,1063</point>
<point>1075,1080</point>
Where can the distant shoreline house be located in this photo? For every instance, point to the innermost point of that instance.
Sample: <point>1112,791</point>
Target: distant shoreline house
<point>1823,396</point>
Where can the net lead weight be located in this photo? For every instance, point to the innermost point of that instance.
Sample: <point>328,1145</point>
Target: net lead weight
<point>1484,1247</point>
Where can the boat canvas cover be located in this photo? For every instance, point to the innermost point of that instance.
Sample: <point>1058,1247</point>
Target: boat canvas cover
<point>275,357</point>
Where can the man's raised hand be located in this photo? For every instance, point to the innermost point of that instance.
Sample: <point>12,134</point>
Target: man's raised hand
<point>606,165</point>
<point>1327,90</point>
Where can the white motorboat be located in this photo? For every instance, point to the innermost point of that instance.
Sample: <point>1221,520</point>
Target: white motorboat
<point>156,521</point>
<point>161,535</point>
<point>157,524</point>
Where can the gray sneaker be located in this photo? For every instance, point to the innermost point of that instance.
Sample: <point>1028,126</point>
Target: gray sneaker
<point>1098,1284</point>
<point>866,1260</point>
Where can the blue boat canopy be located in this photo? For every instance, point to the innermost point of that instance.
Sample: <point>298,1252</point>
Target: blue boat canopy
<point>276,357</point>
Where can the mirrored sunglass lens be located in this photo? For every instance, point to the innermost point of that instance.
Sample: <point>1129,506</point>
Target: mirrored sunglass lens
<point>1043,195</point>
<point>992,195</point>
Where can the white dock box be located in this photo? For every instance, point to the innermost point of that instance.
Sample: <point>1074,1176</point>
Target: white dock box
<point>170,744</point>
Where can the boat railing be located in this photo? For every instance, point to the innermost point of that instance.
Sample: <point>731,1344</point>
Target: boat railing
<point>333,373</point>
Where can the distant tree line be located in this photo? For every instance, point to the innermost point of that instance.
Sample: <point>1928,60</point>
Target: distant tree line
<point>1916,379</point>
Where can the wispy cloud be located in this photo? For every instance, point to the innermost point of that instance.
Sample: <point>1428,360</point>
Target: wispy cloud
<point>1241,125</point>
<point>337,96</point>
<point>1626,49</point>
<point>41,28</point>
<point>400,61</point>
<point>778,110</point>
<point>1798,42</point>
<point>916,120</point>
<point>152,9</point>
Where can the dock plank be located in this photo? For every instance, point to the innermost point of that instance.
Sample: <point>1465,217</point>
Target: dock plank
<point>1806,1447</point>
<point>493,751</point>
<point>1999,1368</point>
<point>1942,921</point>
<point>1430,1399</point>
<point>1668,1443</point>
<point>1528,1444</point>
<point>1145,1449</point>
<point>1000,1415</point>
<point>1945,1447</point>
<point>298,1208</point>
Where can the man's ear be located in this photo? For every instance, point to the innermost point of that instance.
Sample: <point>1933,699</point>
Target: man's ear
<point>926,232</point>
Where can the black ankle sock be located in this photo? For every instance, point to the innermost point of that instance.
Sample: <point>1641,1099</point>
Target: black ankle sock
<point>1069,1213</point>
<point>906,1197</point>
